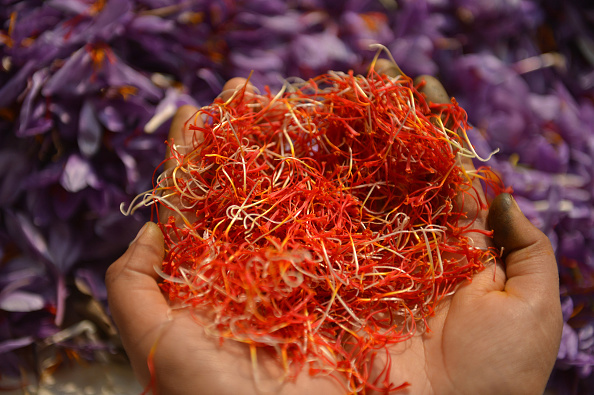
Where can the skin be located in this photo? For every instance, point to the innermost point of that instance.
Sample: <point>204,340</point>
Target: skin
<point>498,334</point>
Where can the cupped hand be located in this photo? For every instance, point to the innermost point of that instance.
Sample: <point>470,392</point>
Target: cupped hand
<point>167,348</point>
<point>500,333</point>
<point>497,334</point>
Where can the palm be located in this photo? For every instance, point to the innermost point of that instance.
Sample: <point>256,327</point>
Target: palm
<point>439,360</point>
<point>477,339</point>
<point>215,368</point>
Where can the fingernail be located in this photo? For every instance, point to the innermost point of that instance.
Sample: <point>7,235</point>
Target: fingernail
<point>510,203</point>
<point>140,233</point>
<point>514,203</point>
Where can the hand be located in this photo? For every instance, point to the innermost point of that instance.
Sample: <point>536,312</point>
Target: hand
<point>498,334</point>
<point>185,360</point>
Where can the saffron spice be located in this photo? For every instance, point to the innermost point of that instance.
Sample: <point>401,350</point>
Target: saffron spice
<point>323,223</point>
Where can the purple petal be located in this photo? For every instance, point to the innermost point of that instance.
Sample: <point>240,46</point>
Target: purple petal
<point>291,23</point>
<point>586,337</point>
<point>109,22</point>
<point>21,271</point>
<point>10,90</point>
<point>364,29</point>
<point>211,79</point>
<point>131,167</point>
<point>549,158</point>
<point>587,364</point>
<point>94,281</point>
<point>321,51</point>
<point>69,6</point>
<point>33,118</point>
<point>546,107</point>
<point>63,246</point>
<point>65,204</point>
<point>567,308</point>
<point>151,24</point>
<point>72,78</point>
<point>414,55</point>
<point>267,7</point>
<point>21,301</point>
<point>573,245</point>
<point>90,130</point>
<point>39,125</point>
<point>28,234</point>
<point>111,118</point>
<point>257,59</point>
<point>78,175</point>
<point>14,344</point>
<point>14,168</point>
<point>46,177</point>
<point>168,106</point>
<point>569,344</point>
<point>123,115</point>
<point>120,74</point>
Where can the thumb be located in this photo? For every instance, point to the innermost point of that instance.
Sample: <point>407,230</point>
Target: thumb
<point>530,265</point>
<point>135,300</point>
<point>532,278</point>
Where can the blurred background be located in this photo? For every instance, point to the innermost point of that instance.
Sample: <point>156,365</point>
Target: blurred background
<point>88,89</point>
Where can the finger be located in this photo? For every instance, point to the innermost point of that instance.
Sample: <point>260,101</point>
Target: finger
<point>433,89</point>
<point>387,67</point>
<point>532,273</point>
<point>436,93</point>
<point>182,138</point>
<point>179,132</point>
<point>135,300</point>
<point>237,85</point>
<point>186,137</point>
<point>471,201</point>
<point>529,259</point>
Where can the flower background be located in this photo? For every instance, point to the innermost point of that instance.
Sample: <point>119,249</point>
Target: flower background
<point>87,90</point>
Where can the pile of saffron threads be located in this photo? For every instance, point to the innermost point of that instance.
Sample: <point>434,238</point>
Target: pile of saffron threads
<point>323,223</point>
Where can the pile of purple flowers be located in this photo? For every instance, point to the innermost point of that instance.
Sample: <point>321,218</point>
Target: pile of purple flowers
<point>87,90</point>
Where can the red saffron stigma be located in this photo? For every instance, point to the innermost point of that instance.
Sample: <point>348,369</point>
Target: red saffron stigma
<point>323,223</point>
